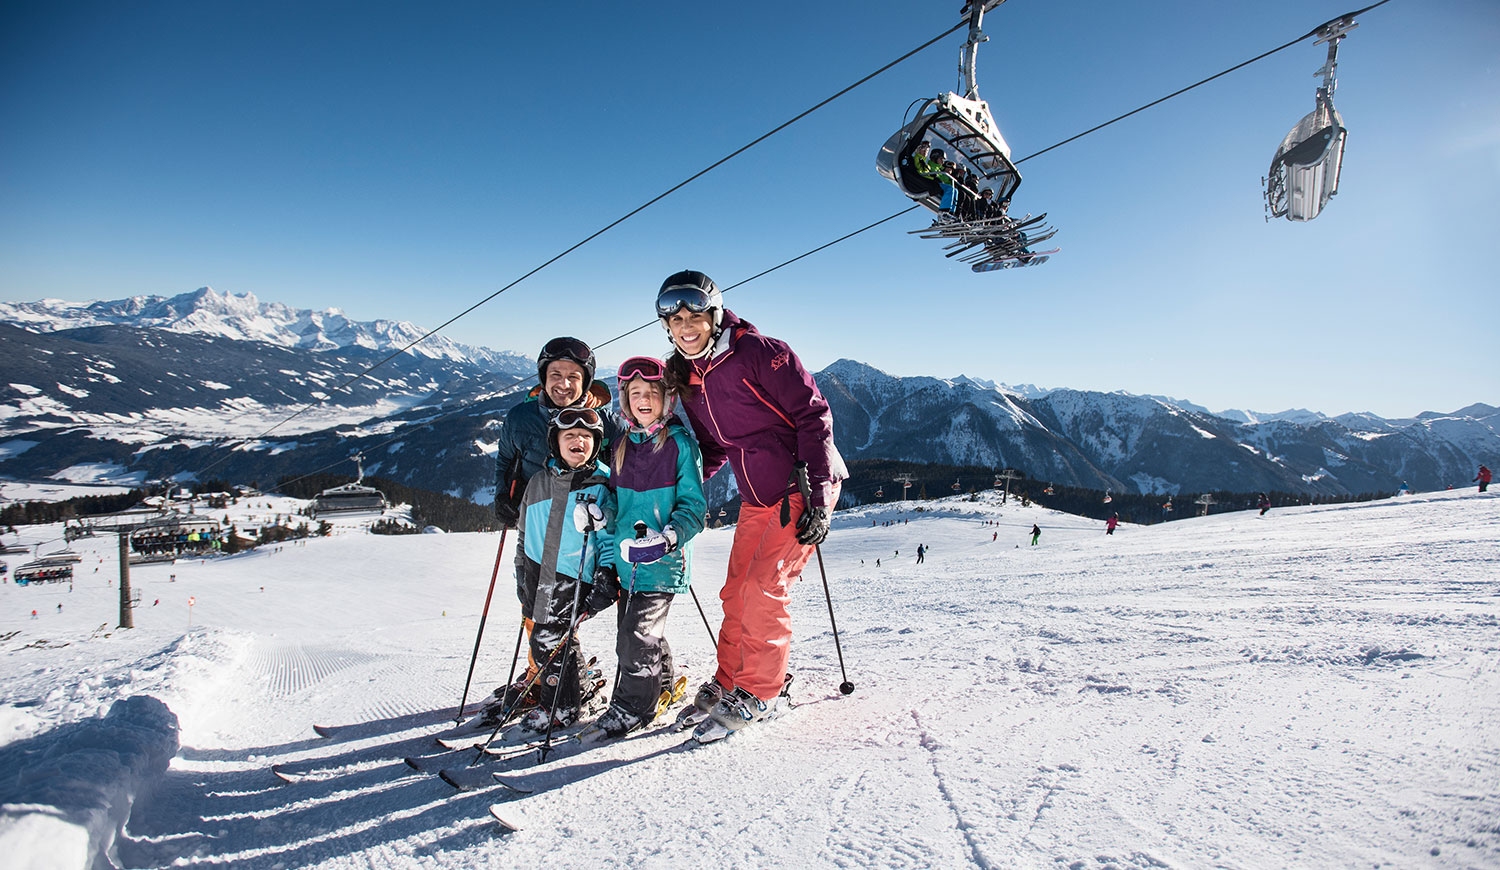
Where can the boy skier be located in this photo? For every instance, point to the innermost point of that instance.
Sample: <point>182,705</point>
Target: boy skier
<point>564,547</point>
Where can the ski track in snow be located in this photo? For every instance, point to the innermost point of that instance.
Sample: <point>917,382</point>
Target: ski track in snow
<point>1315,688</point>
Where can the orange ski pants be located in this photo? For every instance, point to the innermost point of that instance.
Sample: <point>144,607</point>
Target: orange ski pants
<point>755,639</point>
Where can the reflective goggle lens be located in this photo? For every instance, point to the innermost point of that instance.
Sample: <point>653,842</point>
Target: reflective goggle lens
<point>672,299</point>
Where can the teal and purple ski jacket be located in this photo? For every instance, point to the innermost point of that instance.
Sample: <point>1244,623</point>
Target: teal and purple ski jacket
<point>660,485</point>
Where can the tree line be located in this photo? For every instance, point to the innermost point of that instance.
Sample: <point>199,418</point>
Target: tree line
<point>28,513</point>
<point>873,481</point>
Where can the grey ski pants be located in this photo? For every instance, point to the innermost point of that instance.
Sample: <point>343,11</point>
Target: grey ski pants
<point>645,657</point>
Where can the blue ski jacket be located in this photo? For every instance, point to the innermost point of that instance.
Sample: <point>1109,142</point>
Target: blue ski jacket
<point>553,556</point>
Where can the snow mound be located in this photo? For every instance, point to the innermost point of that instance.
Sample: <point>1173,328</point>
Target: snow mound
<point>65,794</point>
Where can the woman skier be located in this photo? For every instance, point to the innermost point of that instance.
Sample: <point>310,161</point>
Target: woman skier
<point>752,404</point>
<point>658,482</point>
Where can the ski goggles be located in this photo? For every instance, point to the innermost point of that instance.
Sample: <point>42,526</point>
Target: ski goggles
<point>578,418</point>
<point>646,368</point>
<point>566,348</point>
<point>679,296</point>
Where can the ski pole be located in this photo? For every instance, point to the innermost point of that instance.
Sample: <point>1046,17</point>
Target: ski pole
<point>845,687</point>
<point>713,641</point>
<point>515,704</point>
<point>583,556</point>
<point>483,616</point>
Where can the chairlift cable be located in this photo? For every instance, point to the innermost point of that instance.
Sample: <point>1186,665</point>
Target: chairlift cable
<point>525,379</point>
<point>808,253</point>
<point>1310,33</point>
<point>596,234</point>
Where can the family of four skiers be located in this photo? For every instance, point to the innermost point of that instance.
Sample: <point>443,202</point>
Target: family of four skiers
<point>606,507</point>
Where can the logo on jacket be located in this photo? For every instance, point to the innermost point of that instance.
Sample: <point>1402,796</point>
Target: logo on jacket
<point>780,360</point>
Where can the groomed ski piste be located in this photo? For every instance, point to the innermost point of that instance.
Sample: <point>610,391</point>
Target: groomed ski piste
<point>1316,688</point>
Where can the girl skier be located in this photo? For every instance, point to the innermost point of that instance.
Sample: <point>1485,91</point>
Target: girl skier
<point>658,483</point>
<point>564,546</point>
<point>752,404</point>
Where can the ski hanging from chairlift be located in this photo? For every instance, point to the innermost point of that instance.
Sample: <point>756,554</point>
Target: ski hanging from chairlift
<point>951,159</point>
<point>1304,174</point>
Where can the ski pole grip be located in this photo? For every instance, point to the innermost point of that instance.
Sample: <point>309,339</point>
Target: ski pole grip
<point>640,530</point>
<point>803,486</point>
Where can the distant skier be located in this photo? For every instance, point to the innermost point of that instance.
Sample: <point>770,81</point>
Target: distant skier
<point>1484,478</point>
<point>1265,504</point>
<point>1036,533</point>
<point>1404,490</point>
<point>921,553</point>
<point>1109,525</point>
<point>995,536</point>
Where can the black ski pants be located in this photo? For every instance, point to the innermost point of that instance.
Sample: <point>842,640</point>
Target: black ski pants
<point>644,656</point>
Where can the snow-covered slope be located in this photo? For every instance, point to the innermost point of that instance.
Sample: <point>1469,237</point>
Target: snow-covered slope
<point>1317,688</point>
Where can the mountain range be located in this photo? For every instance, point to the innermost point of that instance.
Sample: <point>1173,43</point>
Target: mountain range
<point>200,385</point>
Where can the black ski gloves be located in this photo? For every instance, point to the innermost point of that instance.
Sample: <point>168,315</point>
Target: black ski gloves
<point>605,592</point>
<point>508,514</point>
<point>812,526</point>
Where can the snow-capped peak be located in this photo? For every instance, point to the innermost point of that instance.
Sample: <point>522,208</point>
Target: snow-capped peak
<point>241,316</point>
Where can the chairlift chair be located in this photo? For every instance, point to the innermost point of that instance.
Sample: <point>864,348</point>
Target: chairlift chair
<point>962,127</point>
<point>1304,174</point>
<point>351,497</point>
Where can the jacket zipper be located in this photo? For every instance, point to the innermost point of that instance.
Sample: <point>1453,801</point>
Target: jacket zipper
<point>717,428</point>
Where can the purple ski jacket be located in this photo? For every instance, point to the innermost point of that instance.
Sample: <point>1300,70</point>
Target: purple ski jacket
<point>753,405</point>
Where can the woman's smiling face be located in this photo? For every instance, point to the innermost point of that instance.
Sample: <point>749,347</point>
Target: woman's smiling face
<point>690,331</point>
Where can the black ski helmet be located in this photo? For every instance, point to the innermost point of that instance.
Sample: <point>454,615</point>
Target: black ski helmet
<point>694,291</point>
<point>575,418</point>
<point>568,348</point>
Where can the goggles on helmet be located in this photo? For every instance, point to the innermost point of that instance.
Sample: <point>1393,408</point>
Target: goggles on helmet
<point>576,418</point>
<point>690,296</point>
<point>567,348</point>
<point>646,368</point>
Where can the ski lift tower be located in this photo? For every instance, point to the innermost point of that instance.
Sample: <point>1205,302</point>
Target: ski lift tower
<point>906,481</point>
<point>1007,475</point>
<point>1205,500</point>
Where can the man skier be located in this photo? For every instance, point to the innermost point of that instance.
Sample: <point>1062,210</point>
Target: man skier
<point>565,375</point>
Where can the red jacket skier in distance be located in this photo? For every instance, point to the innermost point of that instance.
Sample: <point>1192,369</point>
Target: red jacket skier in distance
<point>753,404</point>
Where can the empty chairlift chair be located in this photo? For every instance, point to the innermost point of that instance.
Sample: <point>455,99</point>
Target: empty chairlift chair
<point>1304,174</point>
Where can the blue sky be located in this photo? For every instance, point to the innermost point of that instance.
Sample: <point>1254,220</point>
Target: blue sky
<point>403,161</point>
